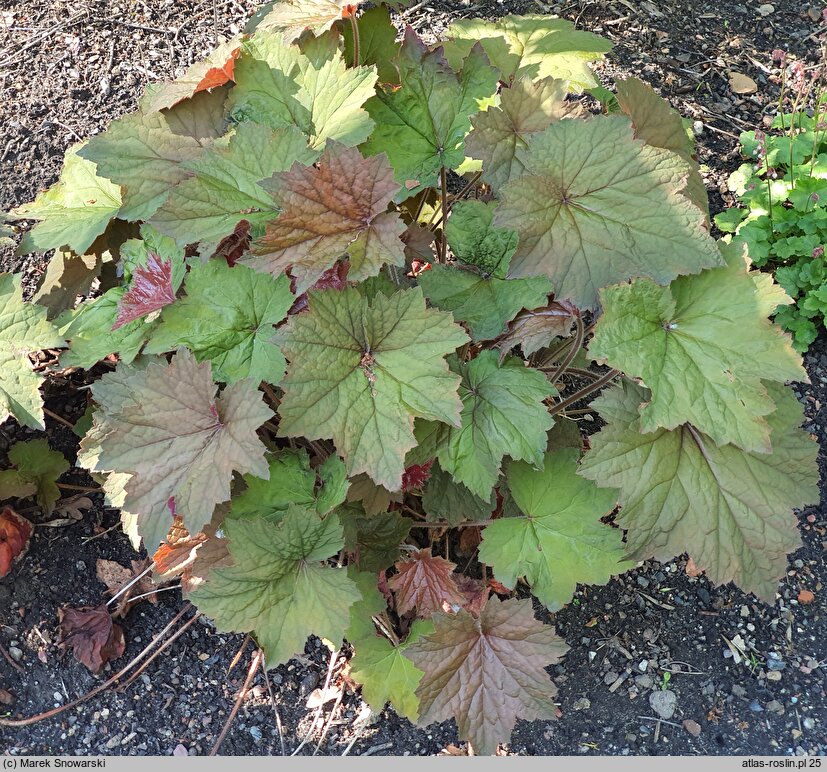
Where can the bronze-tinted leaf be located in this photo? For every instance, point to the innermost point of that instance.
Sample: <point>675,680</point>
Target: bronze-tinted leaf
<point>425,582</point>
<point>487,672</point>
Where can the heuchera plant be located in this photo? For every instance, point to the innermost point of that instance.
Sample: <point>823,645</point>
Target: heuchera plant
<point>347,282</point>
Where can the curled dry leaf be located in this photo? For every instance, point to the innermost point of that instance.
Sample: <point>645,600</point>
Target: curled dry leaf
<point>15,532</point>
<point>92,636</point>
<point>115,576</point>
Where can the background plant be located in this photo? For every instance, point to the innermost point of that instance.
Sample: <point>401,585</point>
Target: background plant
<point>348,281</point>
<point>782,190</point>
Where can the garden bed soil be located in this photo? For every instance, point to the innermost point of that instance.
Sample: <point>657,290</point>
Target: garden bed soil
<point>66,70</point>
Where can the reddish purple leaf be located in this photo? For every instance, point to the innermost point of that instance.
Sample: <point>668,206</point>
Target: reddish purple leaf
<point>232,247</point>
<point>150,290</point>
<point>416,475</point>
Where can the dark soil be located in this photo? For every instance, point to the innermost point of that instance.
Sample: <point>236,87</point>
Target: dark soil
<point>67,69</point>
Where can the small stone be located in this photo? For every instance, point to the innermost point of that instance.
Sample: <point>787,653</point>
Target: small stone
<point>664,703</point>
<point>738,690</point>
<point>808,723</point>
<point>644,681</point>
<point>756,707</point>
<point>16,654</point>
<point>643,581</point>
<point>255,732</point>
<point>610,678</point>
<point>766,9</point>
<point>774,706</point>
<point>744,611</point>
<point>698,127</point>
<point>774,675</point>
<point>774,662</point>
<point>582,704</point>
<point>114,741</point>
<point>58,697</point>
<point>693,727</point>
<point>643,666</point>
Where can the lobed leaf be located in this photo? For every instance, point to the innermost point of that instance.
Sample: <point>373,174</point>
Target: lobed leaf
<point>278,589</point>
<point>420,126</point>
<point>560,542</point>
<point>703,345</point>
<point>424,582</point>
<point>228,317</point>
<point>361,370</point>
<point>680,492</point>
<point>146,153</point>
<point>37,468</point>
<point>599,207</point>
<point>179,443</point>
<point>530,46</point>
<point>329,210</point>
<point>23,330</point>
<point>503,414</point>
<point>487,672</point>
<point>74,211</point>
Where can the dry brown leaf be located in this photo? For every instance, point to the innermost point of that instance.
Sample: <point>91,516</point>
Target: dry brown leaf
<point>92,636</point>
<point>6,697</point>
<point>692,569</point>
<point>71,508</point>
<point>806,597</point>
<point>742,84</point>
<point>425,582</point>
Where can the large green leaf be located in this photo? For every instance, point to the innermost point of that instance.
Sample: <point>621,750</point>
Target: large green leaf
<point>531,46</point>
<point>421,125</point>
<point>224,185</point>
<point>23,330</point>
<point>487,672</point>
<point>278,589</point>
<point>146,153</point>
<point>228,316</point>
<point>335,208</point>
<point>680,492</point>
<point>503,414</point>
<point>481,296</point>
<point>596,207</point>
<point>561,540</point>
<point>373,540</point>
<point>361,370</point>
<point>74,211</point>
<point>279,86</point>
<point>527,108</point>
<point>36,469</point>
<point>179,442</point>
<point>702,345</point>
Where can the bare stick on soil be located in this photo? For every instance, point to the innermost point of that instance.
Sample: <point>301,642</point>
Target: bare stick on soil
<point>238,700</point>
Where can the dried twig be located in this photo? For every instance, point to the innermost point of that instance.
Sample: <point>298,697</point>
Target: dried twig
<point>254,664</point>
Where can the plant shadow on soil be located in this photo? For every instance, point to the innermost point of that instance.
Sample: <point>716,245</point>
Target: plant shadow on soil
<point>90,68</point>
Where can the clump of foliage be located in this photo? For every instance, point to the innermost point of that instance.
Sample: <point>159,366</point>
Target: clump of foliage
<point>782,190</point>
<point>331,352</point>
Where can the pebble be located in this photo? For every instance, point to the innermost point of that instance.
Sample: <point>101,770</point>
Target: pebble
<point>114,741</point>
<point>755,707</point>
<point>774,662</point>
<point>738,690</point>
<point>610,678</point>
<point>744,611</point>
<point>643,581</point>
<point>693,727</point>
<point>808,723</point>
<point>774,706</point>
<point>664,703</point>
<point>698,127</point>
<point>644,664</point>
<point>16,654</point>
<point>774,675</point>
<point>256,733</point>
<point>644,681</point>
<point>582,704</point>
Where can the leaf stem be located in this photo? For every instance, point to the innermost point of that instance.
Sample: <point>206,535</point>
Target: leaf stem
<point>356,43</point>
<point>584,392</point>
<point>571,353</point>
<point>459,196</point>
<point>467,524</point>
<point>443,184</point>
